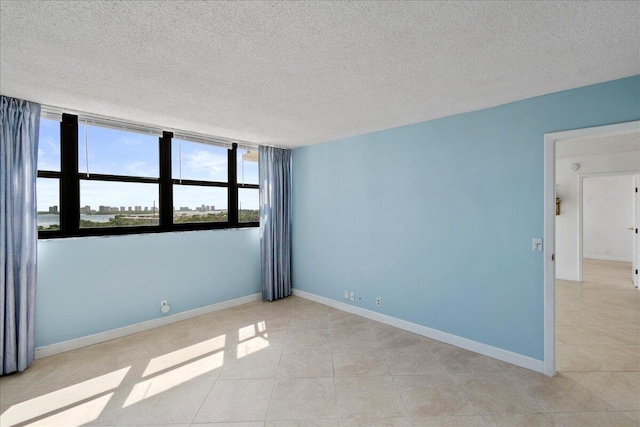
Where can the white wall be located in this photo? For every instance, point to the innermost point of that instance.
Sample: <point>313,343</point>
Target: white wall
<point>607,214</point>
<point>567,222</point>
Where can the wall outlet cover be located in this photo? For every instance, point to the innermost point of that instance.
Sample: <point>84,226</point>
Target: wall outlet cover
<point>536,244</point>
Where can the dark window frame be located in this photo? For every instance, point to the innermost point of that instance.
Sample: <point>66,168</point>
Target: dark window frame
<point>69,179</point>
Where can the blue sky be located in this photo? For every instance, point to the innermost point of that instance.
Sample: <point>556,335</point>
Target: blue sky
<point>117,152</point>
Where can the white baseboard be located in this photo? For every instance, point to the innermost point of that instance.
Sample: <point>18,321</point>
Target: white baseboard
<point>467,344</point>
<point>563,277</point>
<point>608,258</point>
<point>73,344</point>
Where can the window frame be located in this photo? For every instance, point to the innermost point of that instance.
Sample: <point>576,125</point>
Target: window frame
<point>69,179</point>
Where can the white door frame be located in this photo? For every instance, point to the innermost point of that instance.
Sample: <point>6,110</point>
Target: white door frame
<point>550,140</point>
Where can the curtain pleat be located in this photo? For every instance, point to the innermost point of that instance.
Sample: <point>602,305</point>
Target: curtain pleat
<point>19,127</point>
<point>275,222</point>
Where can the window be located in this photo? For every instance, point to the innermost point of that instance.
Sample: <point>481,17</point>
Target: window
<point>48,182</point>
<point>248,189</point>
<point>106,178</point>
<point>119,177</point>
<point>200,182</point>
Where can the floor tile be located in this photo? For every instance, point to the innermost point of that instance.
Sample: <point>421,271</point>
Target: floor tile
<point>520,420</point>
<point>412,360</point>
<point>570,358</point>
<point>594,419</point>
<point>306,363</point>
<point>614,358</point>
<point>355,362</point>
<point>239,424</point>
<point>155,401</point>
<point>459,361</point>
<point>612,387</point>
<point>497,394</point>
<point>236,400</point>
<point>454,421</point>
<point>433,395</point>
<point>368,397</point>
<point>303,398</point>
<point>342,320</point>
<point>303,423</point>
<point>262,363</point>
<point>390,337</point>
<point>575,399</point>
<point>313,320</point>
<point>632,415</point>
<point>375,422</point>
<point>353,337</point>
<point>308,338</point>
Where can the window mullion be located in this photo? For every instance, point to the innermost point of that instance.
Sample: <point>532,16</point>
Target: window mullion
<point>166,183</point>
<point>233,185</point>
<point>69,182</point>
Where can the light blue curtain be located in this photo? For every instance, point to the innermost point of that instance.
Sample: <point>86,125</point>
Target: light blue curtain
<point>275,222</point>
<point>19,126</point>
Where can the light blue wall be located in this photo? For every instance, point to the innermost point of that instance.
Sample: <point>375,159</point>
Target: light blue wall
<point>437,218</point>
<point>94,284</point>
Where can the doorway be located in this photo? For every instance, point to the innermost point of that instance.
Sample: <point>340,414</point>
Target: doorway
<point>607,224</point>
<point>567,258</point>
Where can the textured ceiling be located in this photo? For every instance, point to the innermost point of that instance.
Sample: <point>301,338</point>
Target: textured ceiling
<point>599,145</point>
<point>297,73</point>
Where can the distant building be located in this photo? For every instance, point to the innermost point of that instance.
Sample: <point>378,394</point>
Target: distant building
<point>129,208</point>
<point>122,209</point>
<point>146,208</point>
<point>53,209</point>
<point>86,210</point>
<point>184,208</point>
<point>103,209</point>
<point>138,208</point>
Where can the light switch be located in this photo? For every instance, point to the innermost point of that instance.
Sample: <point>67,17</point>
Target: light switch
<point>536,244</point>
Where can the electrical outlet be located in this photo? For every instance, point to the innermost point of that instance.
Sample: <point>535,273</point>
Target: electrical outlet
<point>352,296</point>
<point>346,294</point>
<point>378,302</point>
<point>536,244</point>
<point>164,306</point>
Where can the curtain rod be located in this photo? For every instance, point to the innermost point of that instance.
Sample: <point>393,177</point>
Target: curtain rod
<point>52,112</point>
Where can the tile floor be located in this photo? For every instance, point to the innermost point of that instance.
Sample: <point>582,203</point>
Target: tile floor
<point>297,363</point>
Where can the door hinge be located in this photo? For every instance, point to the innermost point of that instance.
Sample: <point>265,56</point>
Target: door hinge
<point>636,271</point>
<point>553,257</point>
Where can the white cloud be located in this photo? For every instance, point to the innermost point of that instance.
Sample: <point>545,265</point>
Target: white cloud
<point>141,168</point>
<point>212,165</point>
<point>131,141</point>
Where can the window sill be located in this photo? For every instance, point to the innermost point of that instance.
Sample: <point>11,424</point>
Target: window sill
<point>125,231</point>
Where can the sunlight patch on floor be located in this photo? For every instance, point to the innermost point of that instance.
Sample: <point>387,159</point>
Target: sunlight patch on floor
<point>246,332</point>
<point>183,355</point>
<point>77,415</point>
<point>175,377</point>
<point>67,396</point>
<point>262,326</point>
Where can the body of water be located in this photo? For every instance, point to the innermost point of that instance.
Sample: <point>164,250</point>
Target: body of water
<point>51,219</point>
